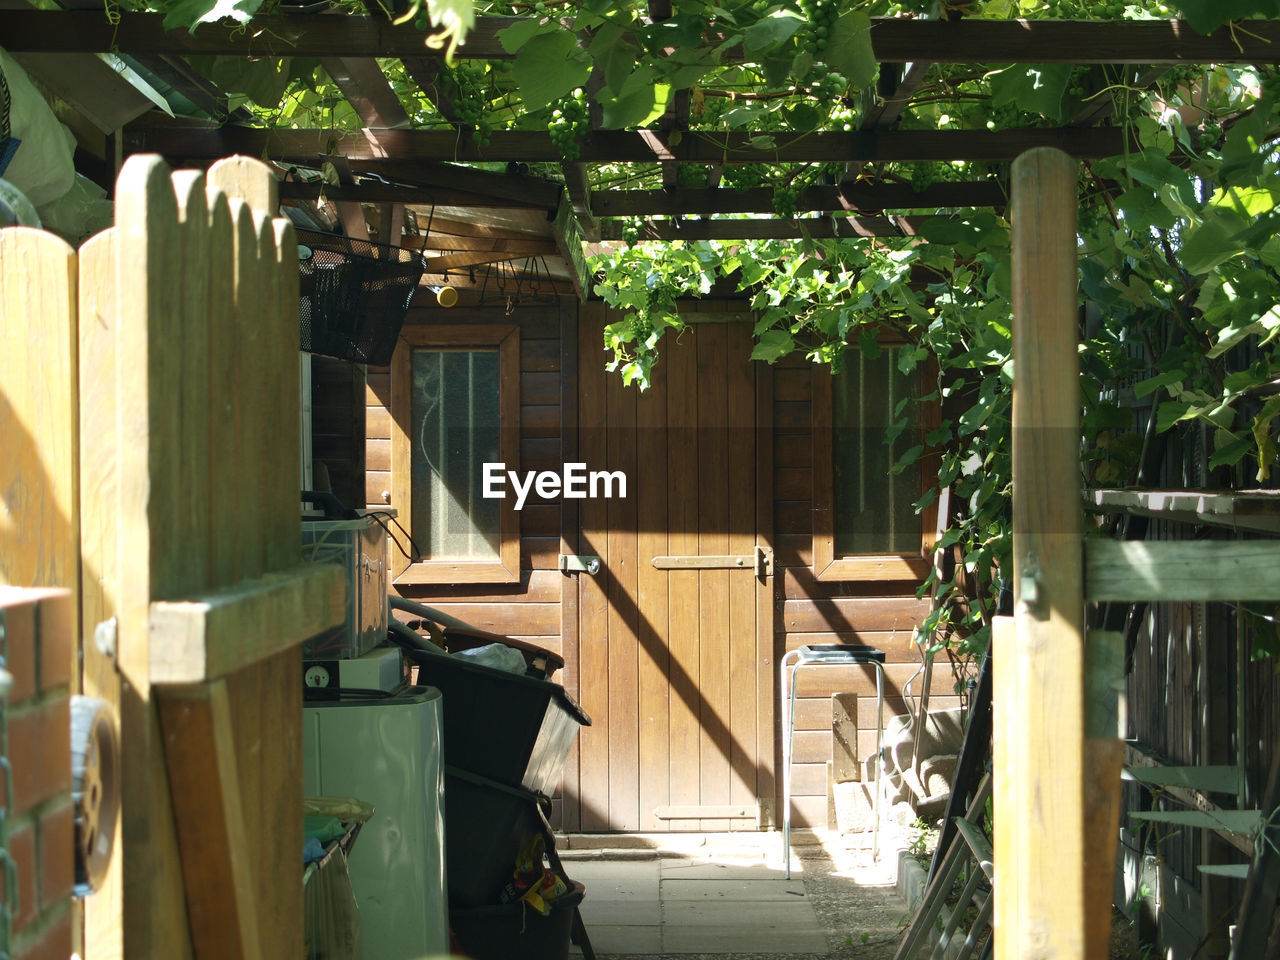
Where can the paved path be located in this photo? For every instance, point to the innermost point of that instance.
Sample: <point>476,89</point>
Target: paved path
<point>837,905</point>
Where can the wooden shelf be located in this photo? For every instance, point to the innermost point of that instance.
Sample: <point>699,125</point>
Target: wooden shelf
<point>1256,511</point>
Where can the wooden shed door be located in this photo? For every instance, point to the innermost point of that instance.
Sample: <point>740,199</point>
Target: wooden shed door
<point>676,665</point>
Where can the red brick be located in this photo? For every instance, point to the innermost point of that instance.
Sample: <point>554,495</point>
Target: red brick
<point>57,854</point>
<point>20,636</point>
<point>53,944</point>
<point>22,848</point>
<point>40,752</point>
<point>57,628</point>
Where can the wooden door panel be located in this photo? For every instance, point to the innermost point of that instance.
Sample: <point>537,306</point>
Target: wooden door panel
<point>593,600</point>
<point>651,484</point>
<point>715,741</point>
<point>624,612</point>
<point>743,537</point>
<point>671,660</point>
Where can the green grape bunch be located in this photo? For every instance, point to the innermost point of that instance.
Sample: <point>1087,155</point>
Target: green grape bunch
<point>826,84</point>
<point>472,103</point>
<point>784,199</point>
<point>745,176</point>
<point>570,121</point>
<point>821,15</point>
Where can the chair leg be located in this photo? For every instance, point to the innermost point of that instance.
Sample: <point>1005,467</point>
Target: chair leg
<point>578,936</point>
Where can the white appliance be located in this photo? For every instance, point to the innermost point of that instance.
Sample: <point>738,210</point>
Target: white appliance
<point>387,752</point>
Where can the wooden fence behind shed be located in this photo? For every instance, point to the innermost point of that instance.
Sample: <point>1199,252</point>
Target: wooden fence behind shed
<point>149,418</point>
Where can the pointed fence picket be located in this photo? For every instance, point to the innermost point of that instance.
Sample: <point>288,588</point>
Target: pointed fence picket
<point>149,412</point>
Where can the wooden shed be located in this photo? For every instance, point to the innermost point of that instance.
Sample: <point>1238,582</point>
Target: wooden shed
<point>677,666</point>
<point>672,544</point>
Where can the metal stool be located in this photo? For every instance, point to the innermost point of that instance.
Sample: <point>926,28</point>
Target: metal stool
<point>834,655</point>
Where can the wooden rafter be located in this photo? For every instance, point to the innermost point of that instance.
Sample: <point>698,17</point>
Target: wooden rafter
<point>623,146</point>
<point>458,261</point>
<point>513,249</point>
<point>824,228</point>
<point>893,92</point>
<point>579,188</point>
<point>860,197</point>
<point>477,282</point>
<point>373,192</point>
<point>365,87</point>
<point>1100,106</point>
<point>422,70</point>
<point>568,242</point>
<point>893,39</point>
<point>676,120</point>
<point>511,189</point>
<point>863,196</point>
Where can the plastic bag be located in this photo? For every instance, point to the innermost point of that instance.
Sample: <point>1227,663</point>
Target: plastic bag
<point>496,655</point>
<point>532,881</point>
<point>331,917</point>
<point>79,213</point>
<point>43,167</point>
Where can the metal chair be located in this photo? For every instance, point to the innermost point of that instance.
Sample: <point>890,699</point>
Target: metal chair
<point>830,655</point>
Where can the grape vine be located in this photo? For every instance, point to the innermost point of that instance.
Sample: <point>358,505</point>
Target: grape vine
<point>569,123</point>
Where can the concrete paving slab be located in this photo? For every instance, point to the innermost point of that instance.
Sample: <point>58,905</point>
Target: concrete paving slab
<point>797,915</point>
<point>624,939</point>
<point>735,938</point>
<point>633,911</point>
<point>617,880</point>
<point>725,870</point>
<point>723,888</point>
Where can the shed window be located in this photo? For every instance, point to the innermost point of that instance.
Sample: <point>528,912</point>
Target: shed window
<point>455,407</point>
<point>864,522</point>
<point>873,506</point>
<point>455,430</point>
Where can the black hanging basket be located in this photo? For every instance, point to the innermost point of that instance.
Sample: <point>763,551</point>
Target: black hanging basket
<point>354,296</point>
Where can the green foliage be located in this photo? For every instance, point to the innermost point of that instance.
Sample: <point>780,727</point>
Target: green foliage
<point>1178,238</point>
<point>1179,267</point>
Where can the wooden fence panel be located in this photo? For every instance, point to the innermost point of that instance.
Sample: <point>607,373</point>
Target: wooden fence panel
<point>147,391</point>
<point>39,513</point>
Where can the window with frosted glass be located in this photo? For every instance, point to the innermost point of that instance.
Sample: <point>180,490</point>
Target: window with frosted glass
<point>455,428</point>
<point>873,512</point>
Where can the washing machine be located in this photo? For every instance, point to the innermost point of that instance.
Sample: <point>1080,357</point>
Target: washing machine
<point>387,752</point>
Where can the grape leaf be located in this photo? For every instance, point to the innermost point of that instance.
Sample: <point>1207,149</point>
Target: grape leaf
<point>769,32</point>
<point>849,50</point>
<point>1035,87</point>
<point>549,66</point>
<point>772,345</point>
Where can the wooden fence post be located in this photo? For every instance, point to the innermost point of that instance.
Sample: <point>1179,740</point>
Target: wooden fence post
<point>1042,891</point>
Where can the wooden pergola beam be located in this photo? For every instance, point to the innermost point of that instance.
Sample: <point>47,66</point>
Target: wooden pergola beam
<point>510,249</point>
<point>366,88</point>
<point>437,180</point>
<point>578,185</point>
<point>823,228</point>
<point>367,192</point>
<point>623,146</point>
<point>568,240</point>
<point>894,39</point>
<point>868,197</point>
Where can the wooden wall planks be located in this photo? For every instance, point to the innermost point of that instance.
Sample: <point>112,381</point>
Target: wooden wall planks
<point>677,748</point>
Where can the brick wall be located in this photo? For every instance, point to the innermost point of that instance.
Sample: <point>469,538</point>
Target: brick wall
<point>36,629</point>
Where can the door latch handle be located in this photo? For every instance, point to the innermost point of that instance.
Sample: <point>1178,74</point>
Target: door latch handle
<point>570,563</point>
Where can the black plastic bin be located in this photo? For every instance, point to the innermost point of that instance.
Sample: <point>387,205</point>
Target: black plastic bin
<point>514,931</point>
<point>485,828</point>
<point>514,729</point>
